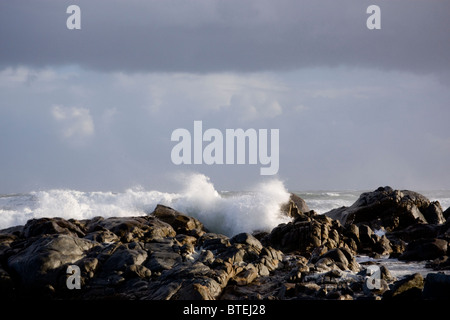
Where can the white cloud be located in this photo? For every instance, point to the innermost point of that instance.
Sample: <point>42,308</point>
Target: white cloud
<point>75,123</point>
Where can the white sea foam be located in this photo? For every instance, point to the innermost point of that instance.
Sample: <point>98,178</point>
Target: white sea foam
<point>228,214</point>
<point>223,212</point>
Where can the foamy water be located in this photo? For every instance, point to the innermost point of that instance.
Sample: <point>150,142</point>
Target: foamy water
<point>223,213</point>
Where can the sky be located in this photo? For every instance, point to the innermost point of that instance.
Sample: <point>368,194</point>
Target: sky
<point>94,108</point>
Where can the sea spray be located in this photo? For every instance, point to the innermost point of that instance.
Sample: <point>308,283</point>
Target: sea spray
<point>230,214</point>
<point>240,212</point>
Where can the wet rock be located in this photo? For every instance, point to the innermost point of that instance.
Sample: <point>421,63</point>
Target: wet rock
<point>295,207</point>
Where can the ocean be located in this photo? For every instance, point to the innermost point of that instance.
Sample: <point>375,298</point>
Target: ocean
<point>226,212</point>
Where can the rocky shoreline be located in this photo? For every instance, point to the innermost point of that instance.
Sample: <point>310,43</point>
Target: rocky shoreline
<point>168,255</point>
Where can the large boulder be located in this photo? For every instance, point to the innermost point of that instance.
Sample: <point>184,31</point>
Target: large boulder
<point>425,249</point>
<point>407,288</point>
<point>42,226</point>
<point>180,222</point>
<point>390,209</point>
<point>133,229</point>
<point>40,263</point>
<point>295,207</point>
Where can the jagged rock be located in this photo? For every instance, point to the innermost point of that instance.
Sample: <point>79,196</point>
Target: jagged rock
<point>295,207</point>
<point>129,229</point>
<point>301,235</point>
<point>246,238</point>
<point>388,208</point>
<point>186,282</point>
<point>341,257</point>
<point>179,221</point>
<point>246,276</point>
<point>169,255</point>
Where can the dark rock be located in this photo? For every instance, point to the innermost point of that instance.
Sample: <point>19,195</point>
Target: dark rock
<point>337,256</point>
<point>124,256</point>
<point>140,229</point>
<point>408,288</point>
<point>246,276</point>
<point>39,264</point>
<point>434,213</point>
<point>437,286</point>
<point>6,286</point>
<point>341,257</point>
<point>366,236</point>
<point>179,221</point>
<point>417,231</point>
<point>425,249</point>
<point>446,214</point>
<point>246,238</point>
<point>295,207</point>
<point>441,263</point>
<point>136,270</point>
<point>299,236</point>
<point>388,208</point>
<point>169,255</point>
<point>186,282</point>
<point>163,260</point>
<point>43,226</point>
<point>102,236</point>
<point>213,242</point>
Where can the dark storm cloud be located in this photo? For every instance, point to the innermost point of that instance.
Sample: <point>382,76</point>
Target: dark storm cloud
<point>215,36</point>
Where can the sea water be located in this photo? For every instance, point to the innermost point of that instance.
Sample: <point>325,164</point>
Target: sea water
<point>222,212</point>
<point>226,212</point>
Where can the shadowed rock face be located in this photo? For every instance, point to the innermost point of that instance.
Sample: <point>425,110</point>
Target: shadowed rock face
<point>165,255</point>
<point>391,209</point>
<point>169,255</point>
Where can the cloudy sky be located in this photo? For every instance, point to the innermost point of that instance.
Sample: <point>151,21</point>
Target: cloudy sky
<point>94,109</point>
